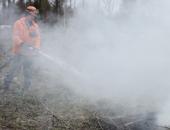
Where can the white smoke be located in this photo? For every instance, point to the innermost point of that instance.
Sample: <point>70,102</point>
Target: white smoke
<point>163,116</point>
<point>124,58</point>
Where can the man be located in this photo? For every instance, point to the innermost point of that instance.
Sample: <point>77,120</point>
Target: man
<point>26,39</point>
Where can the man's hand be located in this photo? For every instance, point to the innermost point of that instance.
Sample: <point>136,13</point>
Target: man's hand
<point>35,51</point>
<point>28,50</point>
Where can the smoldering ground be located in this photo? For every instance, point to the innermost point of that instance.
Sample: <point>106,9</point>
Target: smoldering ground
<point>123,58</point>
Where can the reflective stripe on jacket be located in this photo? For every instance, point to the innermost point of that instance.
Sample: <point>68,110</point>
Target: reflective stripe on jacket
<point>24,32</point>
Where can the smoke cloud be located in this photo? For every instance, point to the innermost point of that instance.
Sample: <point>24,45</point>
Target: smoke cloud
<point>122,57</point>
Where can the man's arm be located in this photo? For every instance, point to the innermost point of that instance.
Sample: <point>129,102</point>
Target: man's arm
<point>17,41</point>
<point>17,32</point>
<point>38,39</point>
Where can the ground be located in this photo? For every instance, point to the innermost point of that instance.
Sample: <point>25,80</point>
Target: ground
<point>56,107</point>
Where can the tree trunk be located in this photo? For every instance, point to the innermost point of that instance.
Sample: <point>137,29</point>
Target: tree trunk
<point>9,3</point>
<point>3,4</point>
<point>44,7</point>
<point>21,5</point>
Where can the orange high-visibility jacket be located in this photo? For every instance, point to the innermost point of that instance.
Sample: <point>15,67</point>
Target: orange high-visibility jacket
<point>23,33</point>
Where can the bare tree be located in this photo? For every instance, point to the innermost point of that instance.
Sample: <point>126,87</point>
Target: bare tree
<point>9,3</point>
<point>21,5</point>
<point>4,4</point>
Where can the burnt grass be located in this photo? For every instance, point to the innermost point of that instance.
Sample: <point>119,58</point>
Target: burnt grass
<point>27,111</point>
<point>46,108</point>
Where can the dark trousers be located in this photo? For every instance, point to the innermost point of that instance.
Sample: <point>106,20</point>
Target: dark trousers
<point>18,63</point>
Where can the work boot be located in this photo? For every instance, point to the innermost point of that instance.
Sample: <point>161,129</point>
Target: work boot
<point>4,89</point>
<point>24,91</point>
<point>6,84</point>
<point>27,84</point>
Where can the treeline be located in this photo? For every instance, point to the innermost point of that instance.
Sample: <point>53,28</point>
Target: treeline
<point>47,9</point>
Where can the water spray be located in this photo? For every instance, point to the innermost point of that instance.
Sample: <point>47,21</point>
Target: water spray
<point>59,62</point>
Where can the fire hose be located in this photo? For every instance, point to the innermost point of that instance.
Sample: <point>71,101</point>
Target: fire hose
<point>55,60</point>
<point>59,62</point>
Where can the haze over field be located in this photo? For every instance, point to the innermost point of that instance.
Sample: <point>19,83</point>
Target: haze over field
<point>122,54</point>
<point>122,57</point>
